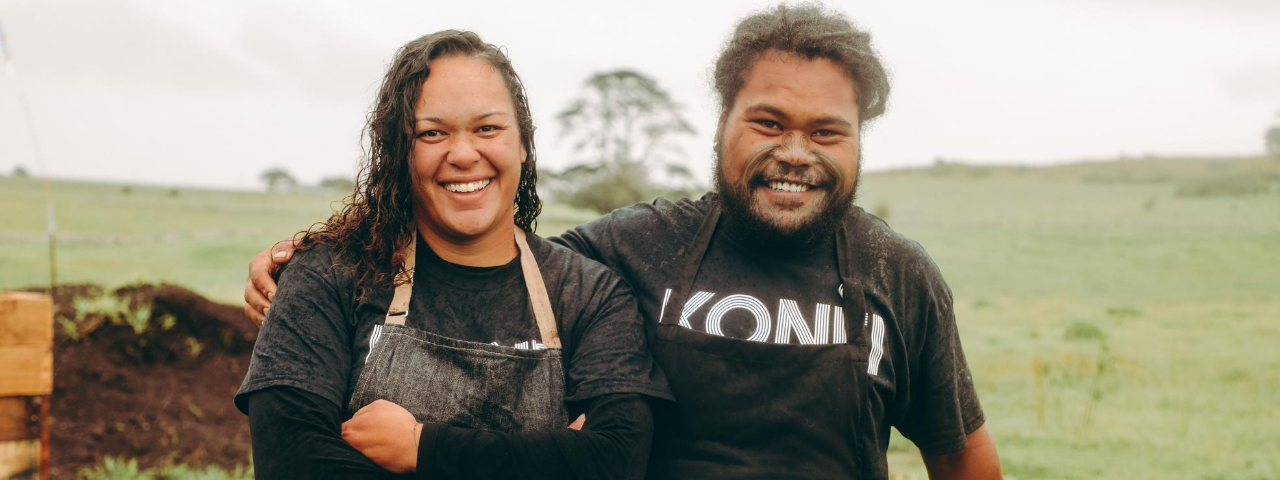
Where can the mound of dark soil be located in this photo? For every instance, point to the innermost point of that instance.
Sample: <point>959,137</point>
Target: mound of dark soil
<point>162,396</point>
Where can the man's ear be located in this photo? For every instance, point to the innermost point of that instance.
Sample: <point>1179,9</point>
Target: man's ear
<point>720,128</point>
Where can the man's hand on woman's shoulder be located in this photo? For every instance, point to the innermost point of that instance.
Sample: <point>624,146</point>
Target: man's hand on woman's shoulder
<point>260,289</point>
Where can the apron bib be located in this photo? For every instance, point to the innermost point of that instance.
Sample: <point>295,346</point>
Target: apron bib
<point>760,410</point>
<point>461,383</point>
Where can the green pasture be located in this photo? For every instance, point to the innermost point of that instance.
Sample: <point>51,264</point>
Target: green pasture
<point>1121,319</point>
<point>111,234</point>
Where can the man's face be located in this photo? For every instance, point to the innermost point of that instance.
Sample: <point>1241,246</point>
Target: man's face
<point>787,156</point>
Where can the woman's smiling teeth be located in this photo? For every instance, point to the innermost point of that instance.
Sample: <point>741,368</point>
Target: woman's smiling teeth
<point>466,187</point>
<point>788,186</point>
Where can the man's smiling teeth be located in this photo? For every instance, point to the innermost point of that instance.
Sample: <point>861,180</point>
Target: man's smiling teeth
<point>788,186</point>
<point>466,187</point>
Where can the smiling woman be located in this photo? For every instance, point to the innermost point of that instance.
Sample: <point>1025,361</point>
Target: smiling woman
<point>449,105</point>
<point>425,328</point>
<point>466,163</point>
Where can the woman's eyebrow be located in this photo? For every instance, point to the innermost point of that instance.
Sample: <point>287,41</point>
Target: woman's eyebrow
<point>474,119</point>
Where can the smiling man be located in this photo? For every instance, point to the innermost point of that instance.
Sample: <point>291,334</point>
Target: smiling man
<point>794,328</point>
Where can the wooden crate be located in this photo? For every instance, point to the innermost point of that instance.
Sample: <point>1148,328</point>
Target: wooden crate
<point>26,344</point>
<point>26,381</point>
<point>20,436</point>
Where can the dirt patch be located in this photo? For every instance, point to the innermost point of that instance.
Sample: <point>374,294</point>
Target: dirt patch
<point>162,396</point>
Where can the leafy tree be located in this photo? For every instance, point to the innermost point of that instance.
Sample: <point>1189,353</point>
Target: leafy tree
<point>20,172</point>
<point>621,127</point>
<point>1273,141</point>
<point>340,184</point>
<point>603,187</point>
<point>277,178</point>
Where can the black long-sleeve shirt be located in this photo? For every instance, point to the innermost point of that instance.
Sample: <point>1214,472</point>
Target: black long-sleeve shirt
<point>311,351</point>
<point>297,434</point>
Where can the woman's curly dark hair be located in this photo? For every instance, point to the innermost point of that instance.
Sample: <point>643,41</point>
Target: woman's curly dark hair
<point>371,230</point>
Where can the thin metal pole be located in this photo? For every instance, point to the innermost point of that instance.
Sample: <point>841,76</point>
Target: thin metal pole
<point>50,216</point>
<point>45,402</point>
<point>53,237</point>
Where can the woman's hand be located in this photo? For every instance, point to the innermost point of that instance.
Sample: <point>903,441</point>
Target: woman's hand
<point>387,434</point>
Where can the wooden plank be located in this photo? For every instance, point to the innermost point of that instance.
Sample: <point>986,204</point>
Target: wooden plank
<point>20,459</point>
<point>26,371</point>
<point>25,319</point>
<point>18,419</point>
<point>26,344</point>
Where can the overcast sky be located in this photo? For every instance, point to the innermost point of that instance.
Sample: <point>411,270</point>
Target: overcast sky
<point>212,93</point>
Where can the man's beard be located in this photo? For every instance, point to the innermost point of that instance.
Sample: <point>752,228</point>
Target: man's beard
<point>746,214</point>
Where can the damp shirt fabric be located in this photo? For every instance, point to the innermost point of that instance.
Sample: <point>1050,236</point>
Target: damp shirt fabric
<point>312,347</point>
<point>918,379</point>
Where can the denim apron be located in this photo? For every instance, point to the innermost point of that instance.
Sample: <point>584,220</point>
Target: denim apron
<point>461,383</point>
<point>750,410</point>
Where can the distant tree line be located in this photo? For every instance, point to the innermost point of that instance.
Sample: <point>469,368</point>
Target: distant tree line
<point>1273,142</point>
<point>278,179</point>
<point>1272,139</point>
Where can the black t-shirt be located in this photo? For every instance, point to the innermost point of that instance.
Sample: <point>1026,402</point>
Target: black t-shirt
<point>920,380</point>
<point>775,297</point>
<point>317,334</point>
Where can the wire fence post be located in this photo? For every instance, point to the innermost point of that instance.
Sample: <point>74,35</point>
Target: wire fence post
<point>50,216</point>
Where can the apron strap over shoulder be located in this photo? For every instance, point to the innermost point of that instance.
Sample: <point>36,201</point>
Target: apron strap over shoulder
<point>537,294</point>
<point>538,298</point>
<point>399,310</point>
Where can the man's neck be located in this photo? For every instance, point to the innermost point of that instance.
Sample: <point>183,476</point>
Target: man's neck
<point>755,237</point>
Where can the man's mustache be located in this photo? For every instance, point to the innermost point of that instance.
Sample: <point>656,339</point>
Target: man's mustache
<point>776,162</point>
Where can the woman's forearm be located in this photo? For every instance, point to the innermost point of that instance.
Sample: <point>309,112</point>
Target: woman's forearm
<point>614,444</point>
<point>296,435</point>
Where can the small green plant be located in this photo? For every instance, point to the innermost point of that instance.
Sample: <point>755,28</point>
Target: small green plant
<point>114,468</point>
<point>137,318</point>
<point>1083,330</point>
<point>194,347</point>
<point>183,472</point>
<point>167,321</point>
<point>109,306</point>
<point>1122,313</point>
<point>90,312</point>
<point>70,328</point>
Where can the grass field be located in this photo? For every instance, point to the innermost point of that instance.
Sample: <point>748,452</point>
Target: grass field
<point>1121,319</point>
<point>202,239</point>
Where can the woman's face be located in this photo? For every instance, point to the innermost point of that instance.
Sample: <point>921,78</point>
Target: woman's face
<point>467,153</point>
